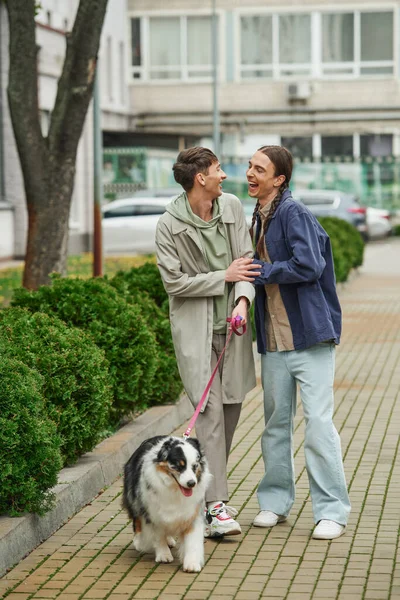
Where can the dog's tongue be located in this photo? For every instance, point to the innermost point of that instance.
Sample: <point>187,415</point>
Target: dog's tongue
<point>186,491</point>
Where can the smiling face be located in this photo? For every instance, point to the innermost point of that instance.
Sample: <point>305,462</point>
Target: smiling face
<point>212,180</point>
<point>263,182</point>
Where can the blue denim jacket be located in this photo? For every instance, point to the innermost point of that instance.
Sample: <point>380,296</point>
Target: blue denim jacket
<point>302,265</point>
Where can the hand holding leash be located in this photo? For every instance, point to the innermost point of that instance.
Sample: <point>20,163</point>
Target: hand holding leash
<point>234,328</point>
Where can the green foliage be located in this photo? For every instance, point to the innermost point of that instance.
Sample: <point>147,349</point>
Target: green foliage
<point>396,230</point>
<point>131,284</point>
<point>145,278</point>
<point>29,444</point>
<point>115,326</point>
<point>78,266</point>
<point>75,375</point>
<point>347,246</point>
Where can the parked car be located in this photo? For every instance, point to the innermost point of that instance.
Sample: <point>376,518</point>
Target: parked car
<point>378,223</point>
<point>169,192</point>
<point>331,203</point>
<point>129,224</point>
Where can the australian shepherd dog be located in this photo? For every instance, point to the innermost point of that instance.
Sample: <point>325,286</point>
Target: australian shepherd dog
<point>165,481</point>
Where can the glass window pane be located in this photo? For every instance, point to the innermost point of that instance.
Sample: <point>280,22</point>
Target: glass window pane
<point>376,145</point>
<point>300,147</point>
<point>377,36</point>
<point>165,42</point>
<point>256,40</point>
<point>155,74</point>
<point>294,39</point>
<point>199,36</point>
<point>337,145</point>
<point>135,37</point>
<point>376,70</point>
<point>256,73</point>
<point>338,37</point>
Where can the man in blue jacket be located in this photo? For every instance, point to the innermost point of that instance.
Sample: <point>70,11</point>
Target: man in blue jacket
<point>298,323</point>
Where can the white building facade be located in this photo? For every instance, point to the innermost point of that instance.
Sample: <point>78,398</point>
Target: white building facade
<point>54,20</point>
<point>319,76</point>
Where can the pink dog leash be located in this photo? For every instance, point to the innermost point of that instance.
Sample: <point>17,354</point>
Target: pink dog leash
<point>235,326</point>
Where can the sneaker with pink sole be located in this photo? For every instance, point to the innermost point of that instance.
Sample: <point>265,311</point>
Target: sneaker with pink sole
<point>220,522</point>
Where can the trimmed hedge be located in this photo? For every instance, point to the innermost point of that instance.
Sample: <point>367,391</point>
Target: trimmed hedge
<point>145,278</point>
<point>166,384</point>
<point>114,325</point>
<point>29,444</point>
<point>347,245</point>
<point>75,375</point>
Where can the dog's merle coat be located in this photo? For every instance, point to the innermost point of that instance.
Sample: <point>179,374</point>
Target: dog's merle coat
<point>164,486</point>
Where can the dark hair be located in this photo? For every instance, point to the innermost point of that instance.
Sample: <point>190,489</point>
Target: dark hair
<point>190,162</point>
<point>282,160</point>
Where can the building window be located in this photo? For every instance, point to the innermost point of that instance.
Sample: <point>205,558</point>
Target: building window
<point>274,46</point>
<point>256,46</point>
<point>295,45</point>
<point>328,44</point>
<point>136,49</point>
<point>359,43</point>
<point>337,43</point>
<point>174,48</point>
<point>376,145</point>
<point>337,145</point>
<point>109,61</point>
<point>300,147</point>
<point>376,43</point>
<point>122,72</point>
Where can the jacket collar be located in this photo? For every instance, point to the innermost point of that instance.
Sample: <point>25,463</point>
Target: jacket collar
<point>227,216</point>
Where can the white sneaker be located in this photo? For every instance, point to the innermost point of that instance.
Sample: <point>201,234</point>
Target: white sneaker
<point>267,518</point>
<point>328,530</point>
<point>219,521</point>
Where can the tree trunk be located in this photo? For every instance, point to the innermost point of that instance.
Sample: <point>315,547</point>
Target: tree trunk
<point>48,164</point>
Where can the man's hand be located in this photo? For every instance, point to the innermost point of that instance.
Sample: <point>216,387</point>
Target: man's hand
<point>242,269</point>
<point>240,310</point>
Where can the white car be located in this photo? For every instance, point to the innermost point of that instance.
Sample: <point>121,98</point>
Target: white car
<point>129,224</point>
<point>378,223</point>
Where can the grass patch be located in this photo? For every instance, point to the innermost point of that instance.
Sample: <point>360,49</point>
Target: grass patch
<point>78,266</point>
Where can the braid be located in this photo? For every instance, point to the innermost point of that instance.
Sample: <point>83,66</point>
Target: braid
<point>274,206</point>
<point>251,230</point>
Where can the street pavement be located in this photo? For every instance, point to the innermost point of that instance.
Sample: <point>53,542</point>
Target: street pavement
<point>91,557</point>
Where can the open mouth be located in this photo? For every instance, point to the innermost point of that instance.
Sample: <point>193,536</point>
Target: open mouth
<point>252,186</point>
<point>186,491</point>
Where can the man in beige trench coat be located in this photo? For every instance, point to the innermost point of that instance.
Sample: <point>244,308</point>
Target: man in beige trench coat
<point>204,255</point>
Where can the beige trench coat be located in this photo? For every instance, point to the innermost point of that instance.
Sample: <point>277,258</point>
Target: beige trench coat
<point>191,287</point>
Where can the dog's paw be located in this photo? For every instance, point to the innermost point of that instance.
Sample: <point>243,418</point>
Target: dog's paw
<point>137,543</point>
<point>171,541</point>
<point>192,566</point>
<point>164,556</point>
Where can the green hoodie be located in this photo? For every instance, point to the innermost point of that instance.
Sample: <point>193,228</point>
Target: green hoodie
<point>216,248</point>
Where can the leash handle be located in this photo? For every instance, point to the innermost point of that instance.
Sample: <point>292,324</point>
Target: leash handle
<point>235,326</point>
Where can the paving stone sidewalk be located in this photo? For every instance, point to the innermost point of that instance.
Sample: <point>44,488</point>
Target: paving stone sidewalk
<point>91,557</point>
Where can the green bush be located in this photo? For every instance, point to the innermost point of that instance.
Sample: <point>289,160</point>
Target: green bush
<point>29,444</point>
<point>116,326</point>
<point>145,278</point>
<point>396,230</point>
<point>347,246</point>
<point>75,374</point>
<point>167,384</point>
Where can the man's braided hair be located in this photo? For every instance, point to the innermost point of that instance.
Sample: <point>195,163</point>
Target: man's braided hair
<point>282,160</point>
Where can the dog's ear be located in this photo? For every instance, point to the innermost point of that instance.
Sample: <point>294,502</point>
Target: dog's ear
<point>196,444</point>
<point>164,451</point>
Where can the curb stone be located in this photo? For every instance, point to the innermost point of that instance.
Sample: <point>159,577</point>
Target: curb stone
<point>83,481</point>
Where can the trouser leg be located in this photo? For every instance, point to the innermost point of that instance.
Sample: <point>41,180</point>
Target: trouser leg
<point>215,428</point>
<point>276,490</point>
<point>314,369</point>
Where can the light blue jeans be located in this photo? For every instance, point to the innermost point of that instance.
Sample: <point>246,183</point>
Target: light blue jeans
<point>313,369</point>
